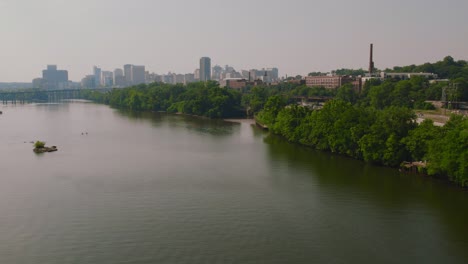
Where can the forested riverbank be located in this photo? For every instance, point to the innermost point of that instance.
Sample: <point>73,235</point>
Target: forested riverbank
<point>377,124</point>
<point>201,99</point>
<point>387,137</point>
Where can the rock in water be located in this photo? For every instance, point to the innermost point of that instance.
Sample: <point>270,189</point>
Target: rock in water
<point>45,149</point>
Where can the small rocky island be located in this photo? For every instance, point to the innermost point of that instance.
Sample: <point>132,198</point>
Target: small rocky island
<point>39,147</point>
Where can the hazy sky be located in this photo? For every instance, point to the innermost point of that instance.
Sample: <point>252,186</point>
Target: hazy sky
<point>297,36</point>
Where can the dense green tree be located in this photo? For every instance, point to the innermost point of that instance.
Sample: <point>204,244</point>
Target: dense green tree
<point>347,93</point>
<point>272,107</point>
<point>448,153</point>
<point>418,140</point>
<point>288,120</point>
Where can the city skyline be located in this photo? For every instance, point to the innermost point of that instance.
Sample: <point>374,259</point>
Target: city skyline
<point>166,35</point>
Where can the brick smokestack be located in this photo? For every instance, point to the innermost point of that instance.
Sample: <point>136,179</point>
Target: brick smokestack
<point>371,59</point>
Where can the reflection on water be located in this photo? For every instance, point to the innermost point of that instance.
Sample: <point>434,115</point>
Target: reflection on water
<point>197,124</point>
<point>385,187</point>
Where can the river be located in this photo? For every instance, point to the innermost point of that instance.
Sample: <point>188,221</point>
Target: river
<point>157,188</point>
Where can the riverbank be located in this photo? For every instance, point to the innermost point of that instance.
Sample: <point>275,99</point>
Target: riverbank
<point>240,120</point>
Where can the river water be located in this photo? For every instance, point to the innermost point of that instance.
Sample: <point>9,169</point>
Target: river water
<point>158,188</point>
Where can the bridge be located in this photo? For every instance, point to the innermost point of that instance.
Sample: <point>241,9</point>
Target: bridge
<point>35,95</point>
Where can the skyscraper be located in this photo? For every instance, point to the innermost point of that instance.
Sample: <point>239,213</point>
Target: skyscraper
<point>97,75</point>
<point>128,73</point>
<point>55,79</point>
<point>138,74</point>
<point>134,74</point>
<point>205,69</point>
<point>119,78</point>
<point>107,78</point>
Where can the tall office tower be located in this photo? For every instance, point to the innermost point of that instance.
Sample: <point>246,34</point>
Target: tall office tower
<point>119,78</point>
<point>118,72</point>
<point>97,75</point>
<point>205,69</point>
<point>138,74</point>
<point>107,78</point>
<point>128,73</point>
<point>55,79</point>
<point>196,74</point>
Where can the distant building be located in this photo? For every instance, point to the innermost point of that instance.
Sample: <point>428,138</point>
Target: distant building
<point>107,78</point>
<point>217,71</point>
<point>39,83</point>
<point>407,75</point>
<point>245,74</point>
<point>236,83</point>
<point>97,75</point>
<point>180,78</point>
<point>128,74</point>
<point>399,75</point>
<point>55,79</point>
<point>134,74</point>
<point>189,78</point>
<point>138,74</point>
<point>153,77</point>
<point>268,75</point>
<point>89,81</point>
<point>197,74</point>
<point>118,72</point>
<point>205,69</point>
<point>239,83</point>
<point>329,82</point>
<point>168,78</point>
<point>119,78</point>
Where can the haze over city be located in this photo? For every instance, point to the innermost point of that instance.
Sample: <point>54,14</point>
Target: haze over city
<point>296,36</point>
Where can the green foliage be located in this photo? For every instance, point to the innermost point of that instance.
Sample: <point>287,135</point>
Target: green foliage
<point>203,99</point>
<point>418,140</point>
<point>287,121</point>
<point>347,94</point>
<point>272,107</point>
<point>350,72</point>
<point>311,91</point>
<point>448,151</point>
<point>39,144</point>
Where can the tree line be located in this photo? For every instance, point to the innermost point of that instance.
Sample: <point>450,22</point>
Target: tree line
<point>377,124</point>
<point>386,136</point>
<point>202,99</point>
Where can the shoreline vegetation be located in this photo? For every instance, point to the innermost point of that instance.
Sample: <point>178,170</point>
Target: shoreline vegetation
<point>377,124</point>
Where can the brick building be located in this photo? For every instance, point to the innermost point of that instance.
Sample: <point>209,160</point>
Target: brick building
<point>329,82</point>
